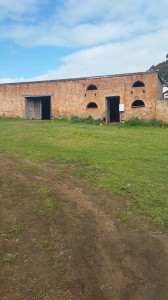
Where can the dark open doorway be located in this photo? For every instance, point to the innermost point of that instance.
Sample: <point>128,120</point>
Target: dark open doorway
<point>46,108</point>
<point>112,109</point>
<point>38,108</point>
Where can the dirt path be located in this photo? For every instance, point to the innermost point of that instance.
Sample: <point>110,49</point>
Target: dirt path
<point>61,241</point>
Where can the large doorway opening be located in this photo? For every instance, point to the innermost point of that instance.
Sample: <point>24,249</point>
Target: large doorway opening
<point>38,108</point>
<point>112,109</point>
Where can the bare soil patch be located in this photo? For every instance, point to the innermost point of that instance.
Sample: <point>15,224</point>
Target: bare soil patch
<point>61,240</point>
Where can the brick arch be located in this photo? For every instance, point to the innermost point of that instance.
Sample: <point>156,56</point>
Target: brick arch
<point>91,105</point>
<point>138,83</point>
<point>138,103</point>
<point>91,87</point>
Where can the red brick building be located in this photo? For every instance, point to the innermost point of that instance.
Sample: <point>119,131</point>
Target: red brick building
<point>114,98</point>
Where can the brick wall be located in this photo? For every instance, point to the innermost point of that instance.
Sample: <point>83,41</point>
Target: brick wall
<point>162,110</point>
<point>71,97</point>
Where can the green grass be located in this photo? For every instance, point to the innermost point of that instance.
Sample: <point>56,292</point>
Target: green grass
<point>119,214</point>
<point>44,207</point>
<point>126,161</point>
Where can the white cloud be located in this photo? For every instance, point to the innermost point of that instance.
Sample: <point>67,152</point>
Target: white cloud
<point>134,55</point>
<point>10,9</point>
<point>75,11</point>
<point>81,35</point>
<point>86,23</point>
<point>111,36</point>
<point>131,56</point>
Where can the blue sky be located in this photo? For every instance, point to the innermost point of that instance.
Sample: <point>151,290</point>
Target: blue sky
<point>54,39</point>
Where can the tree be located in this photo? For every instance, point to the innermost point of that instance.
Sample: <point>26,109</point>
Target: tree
<point>162,68</point>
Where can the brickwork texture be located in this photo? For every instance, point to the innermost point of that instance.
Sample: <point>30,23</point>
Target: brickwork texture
<point>71,97</point>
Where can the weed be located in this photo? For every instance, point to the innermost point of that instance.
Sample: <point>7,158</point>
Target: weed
<point>64,286</point>
<point>40,295</point>
<point>44,191</point>
<point>119,214</point>
<point>45,244</point>
<point>38,172</point>
<point>10,232</point>
<point>86,120</point>
<point>34,170</point>
<point>45,208</point>
<point>10,258</point>
<point>102,202</point>
<point>58,274</point>
<point>137,122</point>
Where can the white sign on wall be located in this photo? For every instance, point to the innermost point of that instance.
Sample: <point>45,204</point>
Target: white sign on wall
<point>121,107</point>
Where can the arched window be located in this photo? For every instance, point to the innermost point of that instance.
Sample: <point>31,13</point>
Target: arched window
<point>138,103</point>
<point>92,105</point>
<point>138,84</point>
<point>91,87</point>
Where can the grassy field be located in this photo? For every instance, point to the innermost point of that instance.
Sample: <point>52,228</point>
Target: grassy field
<point>130,163</point>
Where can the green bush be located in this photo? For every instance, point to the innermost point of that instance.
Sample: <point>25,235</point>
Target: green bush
<point>156,123</point>
<point>86,120</point>
<point>135,122</point>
